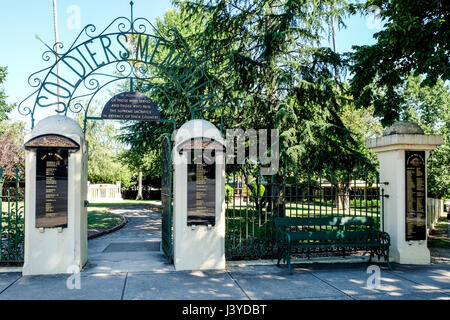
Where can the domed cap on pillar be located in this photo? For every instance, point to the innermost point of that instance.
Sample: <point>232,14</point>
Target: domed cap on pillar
<point>198,129</point>
<point>55,131</point>
<point>403,127</point>
<point>57,124</point>
<point>404,135</point>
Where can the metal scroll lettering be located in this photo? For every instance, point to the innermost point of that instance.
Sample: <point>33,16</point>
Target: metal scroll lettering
<point>98,58</point>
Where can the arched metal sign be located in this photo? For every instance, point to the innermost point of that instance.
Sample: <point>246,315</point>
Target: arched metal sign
<point>124,50</point>
<point>130,106</point>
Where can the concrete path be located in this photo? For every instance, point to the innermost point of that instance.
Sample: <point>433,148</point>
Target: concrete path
<point>134,248</point>
<point>127,265</point>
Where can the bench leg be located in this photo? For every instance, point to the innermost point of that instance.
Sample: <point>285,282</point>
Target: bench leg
<point>279,255</point>
<point>386,257</point>
<point>288,258</point>
<point>289,263</point>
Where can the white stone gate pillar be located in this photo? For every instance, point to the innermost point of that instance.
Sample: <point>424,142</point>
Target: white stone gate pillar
<point>199,197</point>
<point>55,194</point>
<point>402,152</point>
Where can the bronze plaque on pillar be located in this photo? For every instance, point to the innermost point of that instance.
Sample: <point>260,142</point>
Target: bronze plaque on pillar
<point>201,189</point>
<point>51,187</point>
<point>416,222</point>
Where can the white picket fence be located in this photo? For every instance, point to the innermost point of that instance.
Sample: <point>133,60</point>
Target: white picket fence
<point>435,210</point>
<point>104,192</point>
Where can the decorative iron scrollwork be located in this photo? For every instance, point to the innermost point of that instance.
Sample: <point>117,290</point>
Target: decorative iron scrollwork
<point>127,49</point>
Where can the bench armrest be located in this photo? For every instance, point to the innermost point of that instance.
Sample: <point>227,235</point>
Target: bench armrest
<point>385,238</point>
<point>381,236</point>
<point>283,236</point>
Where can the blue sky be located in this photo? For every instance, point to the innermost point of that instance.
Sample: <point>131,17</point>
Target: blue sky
<point>23,19</point>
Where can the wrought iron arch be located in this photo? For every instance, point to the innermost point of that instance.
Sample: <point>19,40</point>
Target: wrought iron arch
<point>154,58</point>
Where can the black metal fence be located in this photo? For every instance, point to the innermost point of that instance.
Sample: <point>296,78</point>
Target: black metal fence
<point>252,203</point>
<point>12,218</point>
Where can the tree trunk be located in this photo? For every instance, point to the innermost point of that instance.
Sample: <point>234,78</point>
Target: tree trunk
<point>343,197</point>
<point>139,195</point>
<point>276,197</point>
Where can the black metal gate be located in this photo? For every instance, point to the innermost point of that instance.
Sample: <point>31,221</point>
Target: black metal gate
<point>12,217</point>
<point>166,198</point>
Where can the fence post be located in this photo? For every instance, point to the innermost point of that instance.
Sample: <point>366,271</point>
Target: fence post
<point>16,214</point>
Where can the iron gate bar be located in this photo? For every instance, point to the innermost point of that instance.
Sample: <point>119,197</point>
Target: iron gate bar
<point>249,216</point>
<point>11,221</point>
<point>167,200</point>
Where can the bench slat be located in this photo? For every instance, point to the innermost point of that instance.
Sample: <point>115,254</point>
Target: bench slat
<point>363,235</point>
<point>336,245</point>
<point>324,221</point>
<point>329,235</point>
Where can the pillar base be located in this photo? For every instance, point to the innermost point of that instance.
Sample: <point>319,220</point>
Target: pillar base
<point>414,252</point>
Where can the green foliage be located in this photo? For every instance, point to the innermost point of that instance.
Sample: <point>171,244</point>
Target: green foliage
<point>272,73</point>
<point>429,106</point>
<point>12,154</point>
<point>229,193</point>
<point>438,237</point>
<point>105,167</point>
<point>414,39</point>
<point>169,92</point>
<point>100,218</point>
<point>264,64</point>
<point>146,160</point>
<point>438,166</point>
<point>252,190</point>
<point>4,107</point>
<point>267,71</point>
<point>12,230</point>
<point>104,154</point>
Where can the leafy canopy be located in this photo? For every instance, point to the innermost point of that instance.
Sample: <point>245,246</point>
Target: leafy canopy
<point>268,71</point>
<point>429,106</point>
<point>414,39</point>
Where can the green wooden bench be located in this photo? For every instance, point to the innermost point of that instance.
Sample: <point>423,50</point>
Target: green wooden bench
<point>330,233</point>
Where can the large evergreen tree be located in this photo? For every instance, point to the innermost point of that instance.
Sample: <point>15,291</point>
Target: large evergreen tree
<point>267,70</point>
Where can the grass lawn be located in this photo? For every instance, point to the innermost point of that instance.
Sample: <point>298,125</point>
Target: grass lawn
<point>305,210</point>
<point>438,238</point>
<point>99,216</point>
<point>99,219</point>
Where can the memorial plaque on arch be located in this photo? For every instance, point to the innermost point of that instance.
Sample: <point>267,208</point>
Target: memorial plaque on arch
<point>416,223</point>
<point>51,187</point>
<point>131,106</point>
